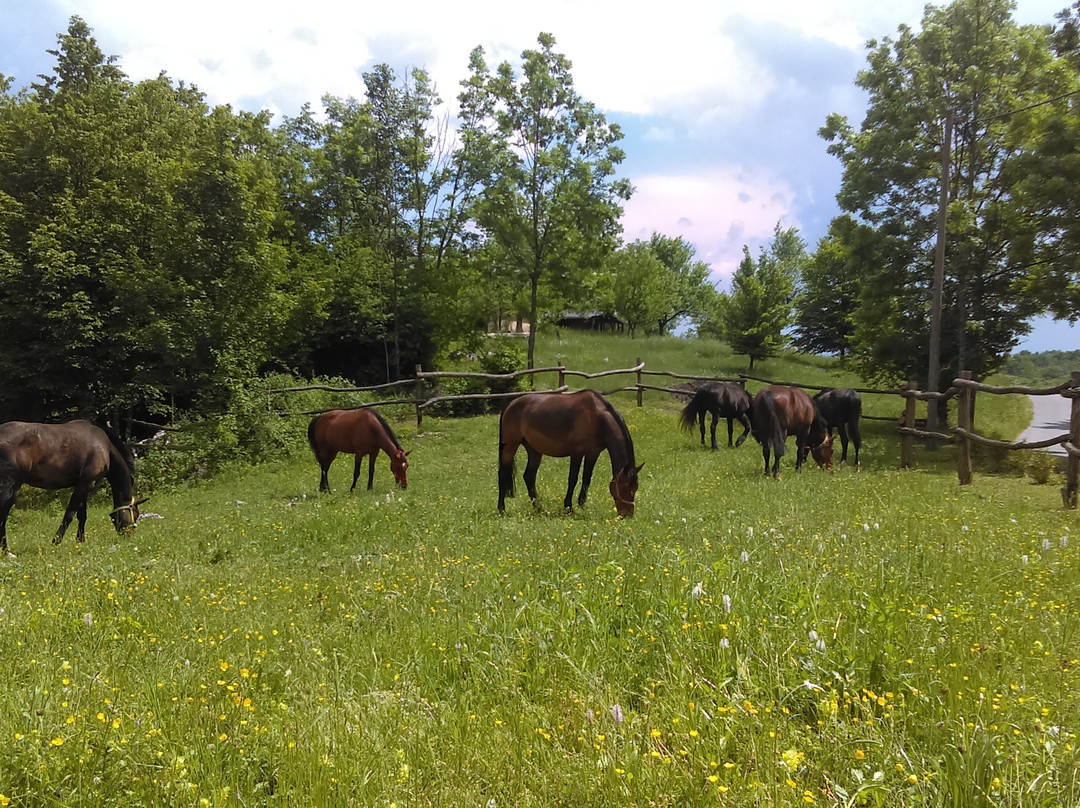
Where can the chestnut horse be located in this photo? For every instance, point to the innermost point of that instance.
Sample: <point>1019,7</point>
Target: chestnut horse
<point>76,455</point>
<point>359,433</point>
<point>841,408</point>
<point>728,401</point>
<point>780,411</point>
<point>577,425</point>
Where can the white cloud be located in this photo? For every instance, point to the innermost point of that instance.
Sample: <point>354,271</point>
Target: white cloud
<point>718,212</point>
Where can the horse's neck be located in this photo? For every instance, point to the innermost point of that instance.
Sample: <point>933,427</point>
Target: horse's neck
<point>385,442</point>
<point>120,479</point>
<point>618,445</point>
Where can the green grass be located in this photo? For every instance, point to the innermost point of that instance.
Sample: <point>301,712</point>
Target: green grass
<point>873,637</point>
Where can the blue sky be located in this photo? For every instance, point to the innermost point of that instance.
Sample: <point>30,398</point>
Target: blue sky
<point>720,101</point>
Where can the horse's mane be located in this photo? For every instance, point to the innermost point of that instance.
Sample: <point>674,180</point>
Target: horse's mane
<point>622,427</point>
<point>122,448</point>
<point>386,426</point>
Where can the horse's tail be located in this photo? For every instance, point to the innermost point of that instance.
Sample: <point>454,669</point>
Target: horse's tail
<point>775,434</point>
<point>9,473</point>
<point>311,435</point>
<point>688,417</point>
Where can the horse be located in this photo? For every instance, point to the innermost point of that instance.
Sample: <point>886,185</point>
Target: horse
<point>841,408</point>
<point>728,401</point>
<point>578,425</point>
<point>76,455</point>
<point>356,432</point>
<point>780,411</point>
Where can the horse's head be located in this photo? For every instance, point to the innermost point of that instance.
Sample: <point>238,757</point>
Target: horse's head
<point>624,488</point>
<point>823,452</point>
<point>126,516</point>
<point>399,463</point>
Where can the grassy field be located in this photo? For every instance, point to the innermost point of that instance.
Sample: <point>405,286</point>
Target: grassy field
<point>869,637</point>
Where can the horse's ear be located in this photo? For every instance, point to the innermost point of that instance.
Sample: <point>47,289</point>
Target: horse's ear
<point>140,501</point>
<point>408,453</point>
<point>638,468</point>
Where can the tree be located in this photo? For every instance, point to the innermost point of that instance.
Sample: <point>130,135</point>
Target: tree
<point>644,287</point>
<point>690,279</point>
<point>758,310</point>
<point>828,294</point>
<point>997,81</point>
<point>550,201</point>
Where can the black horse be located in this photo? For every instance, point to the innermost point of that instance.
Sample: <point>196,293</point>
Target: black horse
<point>841,408</point>
<point>76,455</point>
<point>724,401</point>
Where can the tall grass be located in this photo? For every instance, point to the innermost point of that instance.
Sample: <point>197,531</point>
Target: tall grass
<point>872,637</point>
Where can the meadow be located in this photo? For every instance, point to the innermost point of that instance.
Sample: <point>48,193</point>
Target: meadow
<point>870,637</point>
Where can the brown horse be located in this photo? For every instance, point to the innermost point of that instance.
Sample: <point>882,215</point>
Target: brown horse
<point>780,411</point>
<point>577,425</point>
<point>76,455</point>
<point>359,433</point>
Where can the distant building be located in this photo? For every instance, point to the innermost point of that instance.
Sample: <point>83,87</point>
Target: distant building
<point>589,321</point>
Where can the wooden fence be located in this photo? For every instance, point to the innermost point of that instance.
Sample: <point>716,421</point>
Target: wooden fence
<point>425,393</point>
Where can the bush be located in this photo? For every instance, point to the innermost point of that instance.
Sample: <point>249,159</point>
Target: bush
<point>1041,467</point>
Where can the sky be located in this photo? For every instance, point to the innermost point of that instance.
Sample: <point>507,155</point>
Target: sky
<point>720,101</point>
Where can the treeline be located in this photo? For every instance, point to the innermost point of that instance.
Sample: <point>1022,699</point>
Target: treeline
<point>156,254</point>
<point>1043,369</point>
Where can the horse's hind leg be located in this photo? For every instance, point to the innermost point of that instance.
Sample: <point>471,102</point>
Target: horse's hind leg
<point>856,438</point>
<point>712,427</point>
<point>324,467</point>
<point>843,430</point>
<point>701,426</point>
<point>506,473</point>
<point>529,475</point>
<point>586,479</point>
<point>575,470</point>
<point>5,509</point>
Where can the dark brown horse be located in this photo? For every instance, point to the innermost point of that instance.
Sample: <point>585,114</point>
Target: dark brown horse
<point>780,411</point>
<point>76,455</point>
<point>577,425</point>
<point>359,433</point>
<point>841,408</point>
<point>722,400</point>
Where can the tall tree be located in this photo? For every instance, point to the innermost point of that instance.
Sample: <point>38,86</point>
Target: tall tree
<point>690,277</point>
<point>552,203</point>
<point>644,286</point>
<point>996,80</point>
<point>756,313</point>
<point>828,294</point>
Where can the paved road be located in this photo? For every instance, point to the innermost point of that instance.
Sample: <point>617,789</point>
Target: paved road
<point>1051,418</point>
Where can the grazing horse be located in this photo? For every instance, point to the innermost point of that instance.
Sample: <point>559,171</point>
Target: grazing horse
<point>577,425</point>
<point>359,433</point>
<point>841,408</point>
<point>780,411</point>
<point>76,455</point>
<point>728,401</point>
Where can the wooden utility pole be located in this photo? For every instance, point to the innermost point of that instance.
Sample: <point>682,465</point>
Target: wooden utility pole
<point>939,280</point>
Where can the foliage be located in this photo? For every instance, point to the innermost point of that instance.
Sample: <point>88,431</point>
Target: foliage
<point>1043,369</point>
<point>645,288</point>
<point>828,295</point>
<point>1003,88</point>
<point>754,316</point>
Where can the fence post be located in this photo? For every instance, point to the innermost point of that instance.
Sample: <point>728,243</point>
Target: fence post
<point>1072,463</point>
<point>907,442</point>
<point>562,375</point>
<point>964,408</point>
<point>638,382</point>
<point>419,396</point>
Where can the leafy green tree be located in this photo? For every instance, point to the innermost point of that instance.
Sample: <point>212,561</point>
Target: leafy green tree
<point>691,279</point>
<point>998,81</point>
<point>828,294</point>
<point>549,201</point>
<point>644,287</point>
<point>756,313</point>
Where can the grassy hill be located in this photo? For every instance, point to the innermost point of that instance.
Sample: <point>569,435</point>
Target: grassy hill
<point>870,637</point>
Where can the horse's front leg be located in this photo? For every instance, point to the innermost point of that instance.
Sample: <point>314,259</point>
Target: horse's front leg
<point>746,432</point>
<point>76,505</point>
<point>575,470</point>
<point>802,449</point>
<point>586,479</point>
<point>730,431</point>
<point>5,509</point>
<point>371,468</point>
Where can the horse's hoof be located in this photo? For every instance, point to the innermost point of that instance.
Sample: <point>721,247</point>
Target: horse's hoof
<point>57,539</point>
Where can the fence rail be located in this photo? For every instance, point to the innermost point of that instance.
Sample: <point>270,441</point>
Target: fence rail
<point>964,388</point>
